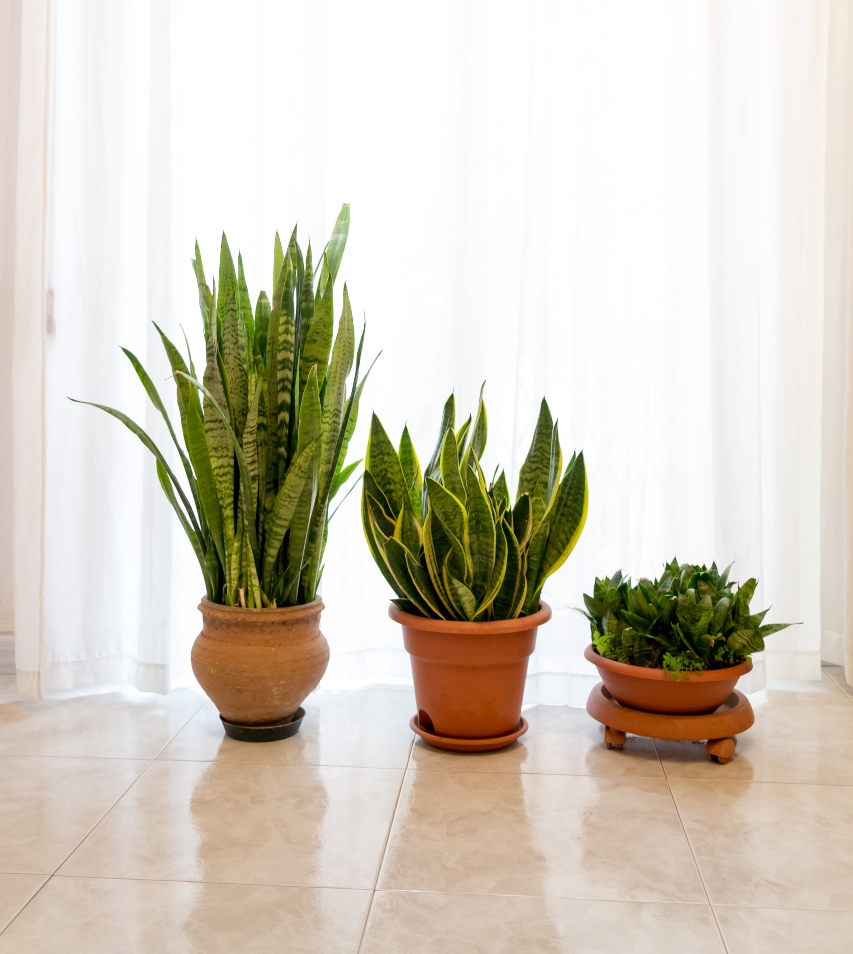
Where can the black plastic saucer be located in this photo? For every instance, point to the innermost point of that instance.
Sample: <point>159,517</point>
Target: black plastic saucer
<point>265,733</point>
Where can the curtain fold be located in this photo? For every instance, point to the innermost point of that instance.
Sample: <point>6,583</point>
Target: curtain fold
<point>638,210</point>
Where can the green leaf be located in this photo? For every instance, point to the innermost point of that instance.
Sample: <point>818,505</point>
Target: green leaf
<point>205,480</point>
<point>436,549</point>
<point>235,359</point>
<point>498,573</point>
<point>376,550</point>
<point>464,601</point>
<point>318,341</point>
<point>396,554</point>
<point>448,508</point>
<point>341,477</point>
<point>277,261</point>
<point>448,421</point>
<point>244,306</point>
<point>451,477</point>
<point>407,529</point>
<point>334,250</point>
<point>383,464</point>
<point>227,283</point>
<point>306,301</point>
<point>522,520</point>
<point>335,393</point>
<point>507,597</point>
<point>481,540</point>
<point>536,469</point>
<point>567,519</point>
<point>195,540</point>
<point>500,492</point>
<point>412,475</point>
<point>744,642</point>
<point>286,502</point>
<point>284,369</point>
<point>556,465</point>
<point>481,428</point>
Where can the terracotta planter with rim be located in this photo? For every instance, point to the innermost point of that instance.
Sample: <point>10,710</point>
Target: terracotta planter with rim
<point>655,690</point>
<point>469,677</point>
<point>257,666</point>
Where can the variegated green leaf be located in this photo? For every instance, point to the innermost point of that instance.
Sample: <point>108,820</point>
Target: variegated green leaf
<point>448,420</point>
<point>235,357</point>
<point>383,464</point>
<point>451,477</point>
<point>262,324</point>
<point>567,519</point>
<point>395,554</point>
<point>536,469</point>
<point>464,601</point>
<point>481,540</point>
<point>507,597</point>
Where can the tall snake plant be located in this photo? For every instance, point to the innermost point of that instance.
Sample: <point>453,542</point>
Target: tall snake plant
<point>452,546</point>
<point>265,434</point>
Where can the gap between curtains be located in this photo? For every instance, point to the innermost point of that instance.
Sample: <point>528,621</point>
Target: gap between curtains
<point>640,210</point>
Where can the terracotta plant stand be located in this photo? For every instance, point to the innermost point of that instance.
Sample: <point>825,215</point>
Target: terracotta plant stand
<point>469,678</point>
<point>257,666</point>
<point>720,727</point>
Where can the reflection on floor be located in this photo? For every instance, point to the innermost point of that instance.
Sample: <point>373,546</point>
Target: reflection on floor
<point>128,823</point>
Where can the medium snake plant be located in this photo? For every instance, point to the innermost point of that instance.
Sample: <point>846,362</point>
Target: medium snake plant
<point>265,434</point>
<point>454,548</point>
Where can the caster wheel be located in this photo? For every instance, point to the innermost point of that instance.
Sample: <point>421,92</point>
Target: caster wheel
<point>613,738</point>
<point>720,750</point>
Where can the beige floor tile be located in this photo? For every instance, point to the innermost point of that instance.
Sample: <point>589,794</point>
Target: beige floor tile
<point>47,806</point>
<point>15,891</point>
<point>423,923</point>
<point>836,674</point>
<point>7,655</point>
<point>546,835</point>
<point>774,931</point>
<point>367,728</point>
<point>316,826</point>
<point>787,744</point>
<point>131,725</point>
<point>771,845</point>
<point>93,916</point>
<point>560,741</point>
<point>807,693</point>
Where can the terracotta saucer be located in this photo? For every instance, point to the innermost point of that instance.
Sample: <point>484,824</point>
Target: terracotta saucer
<point>467,745</point>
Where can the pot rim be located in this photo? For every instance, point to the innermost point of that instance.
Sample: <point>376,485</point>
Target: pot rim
<point>660,675</point>
<point>209,608</point>
<point>521,624</point>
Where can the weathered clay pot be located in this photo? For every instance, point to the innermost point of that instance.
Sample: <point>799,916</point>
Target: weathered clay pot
<point>469,677</point>
<point>258,666</point>
<point>655,690</point>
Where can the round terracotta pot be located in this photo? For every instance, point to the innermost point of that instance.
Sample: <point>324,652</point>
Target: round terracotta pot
<point>469,677</point>
<point>258,666</point>
<point>655,690</point>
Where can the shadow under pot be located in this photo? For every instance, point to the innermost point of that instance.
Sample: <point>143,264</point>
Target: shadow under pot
<point>469,678</point>
<point>257,666</point>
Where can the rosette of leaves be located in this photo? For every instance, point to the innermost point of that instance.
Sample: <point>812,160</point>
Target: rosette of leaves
<point>455,547</point>
<point>692,618</point>
<point>264,436</point>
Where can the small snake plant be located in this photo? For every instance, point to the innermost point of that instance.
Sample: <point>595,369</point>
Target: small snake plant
<point>452,546</point>
<point>265,434</point>
<point>691,619</point>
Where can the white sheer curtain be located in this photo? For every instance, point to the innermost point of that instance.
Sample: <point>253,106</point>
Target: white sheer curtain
<point>625,207</point>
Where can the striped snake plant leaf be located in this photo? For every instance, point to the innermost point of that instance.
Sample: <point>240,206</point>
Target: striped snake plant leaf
<point>285,357</point>
<point>470,556</point>
<point>306,300</point>
<point>277,261</point>
<point>406,528</point>
<point>244,307</point>
<point>262,323</point>
<point>318,342</point>
<point>310,429</point>
<point>395,556</point>
<point>335,392</point>
<point>272,369</point>
<point>507,596</point>
<point>451,476</point>
<point>341,477</point>
<point>568,518</point>
<point>216,435</point>
<point>227,284</point>
<point>383,464</point>
<point>536,469</point>
<point>286,501</point>
<point>205,479</point>
<point>186,394</point>
<point>498,573</point>
<point>246,497</point>
<point>412,475</point>
<point>463,600</point>
<point>448,420</point>
<point>481,536</point>
<point>235,359</point>
<point>334,251</point>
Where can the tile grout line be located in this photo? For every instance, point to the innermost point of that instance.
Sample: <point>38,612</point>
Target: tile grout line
<point>385,847</point>
<point>692,853</point>
<point>842,688</point>
<point>26,904</point>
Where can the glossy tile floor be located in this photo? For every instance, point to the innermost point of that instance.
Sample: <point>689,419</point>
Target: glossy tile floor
<point>129,824</point>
